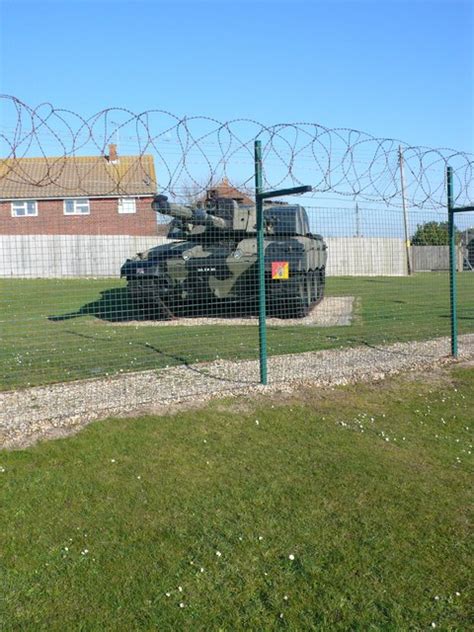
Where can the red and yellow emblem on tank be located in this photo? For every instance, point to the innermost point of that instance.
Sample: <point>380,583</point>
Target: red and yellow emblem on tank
<point>280,270</point>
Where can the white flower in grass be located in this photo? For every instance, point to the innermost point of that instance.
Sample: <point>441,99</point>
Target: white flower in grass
<point>180,588</point>
<point>436,597</point>
<point>285,597</point>
<point>201,569</point>
<point>218,553</point>
<point>257,422</point>
<point>168,594</point>
<point>260,537</point>
<point>291,557</point>
<point>181,605</point>
<point>112,460</point>
<point>2,469</point>
<point>458,594</point>
<point>433,624</point>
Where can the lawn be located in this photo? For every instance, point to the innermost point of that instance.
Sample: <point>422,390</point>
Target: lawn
<point>65,329</point>
<point>345,509</point>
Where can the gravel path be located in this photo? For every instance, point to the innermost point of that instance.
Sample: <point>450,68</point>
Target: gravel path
<point>60,409</point>
<point>333,311</point>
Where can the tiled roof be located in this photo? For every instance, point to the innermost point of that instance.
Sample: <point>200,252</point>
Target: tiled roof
<point>225,190</point>
<point>76,176</point>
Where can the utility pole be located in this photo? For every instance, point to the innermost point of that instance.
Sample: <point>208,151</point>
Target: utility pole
<point>405,214</point>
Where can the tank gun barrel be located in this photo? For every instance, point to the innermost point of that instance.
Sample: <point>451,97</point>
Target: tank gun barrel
<point>197,216</point>
<point>160,204</point>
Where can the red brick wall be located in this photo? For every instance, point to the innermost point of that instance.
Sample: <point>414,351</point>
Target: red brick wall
<point>104,219</point>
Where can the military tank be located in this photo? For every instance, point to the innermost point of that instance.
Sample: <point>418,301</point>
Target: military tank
<point>211,262</point>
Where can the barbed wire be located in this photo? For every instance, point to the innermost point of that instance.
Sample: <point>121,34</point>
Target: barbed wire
<point>194,153</point>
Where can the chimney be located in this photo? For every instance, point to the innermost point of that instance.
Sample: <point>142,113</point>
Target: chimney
<point>112,153</point>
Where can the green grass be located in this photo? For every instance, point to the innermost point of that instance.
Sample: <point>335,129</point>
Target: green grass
<point>57,330</point>
<point>378,528</point>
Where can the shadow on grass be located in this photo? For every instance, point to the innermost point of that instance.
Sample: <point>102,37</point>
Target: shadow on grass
<point>179,360</point>
<point>459,317</point>
<point>114,305</point>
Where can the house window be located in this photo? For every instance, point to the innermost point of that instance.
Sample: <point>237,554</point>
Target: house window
<point>25,208</point>
<point>78,206</point>
<point>127,205</point>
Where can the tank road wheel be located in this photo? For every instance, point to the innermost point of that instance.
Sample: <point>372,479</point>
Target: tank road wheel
<point>298,302</point>
<point>301,302</point>
<point>314,286</point>
<point>321,275</point>
<point>308,290</point>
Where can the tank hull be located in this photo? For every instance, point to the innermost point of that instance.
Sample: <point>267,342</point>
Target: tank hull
<point>222,274</point>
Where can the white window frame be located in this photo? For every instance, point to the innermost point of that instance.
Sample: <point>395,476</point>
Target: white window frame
<point>18,205</point>
<point>77,204</point>
<point>122,205</point>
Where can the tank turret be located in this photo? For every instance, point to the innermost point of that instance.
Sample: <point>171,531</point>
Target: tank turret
<point>196,216</point>
<point>223,214</point>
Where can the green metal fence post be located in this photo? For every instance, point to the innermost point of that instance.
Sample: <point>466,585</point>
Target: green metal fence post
<point>262,320</point>
<point>452,264</point>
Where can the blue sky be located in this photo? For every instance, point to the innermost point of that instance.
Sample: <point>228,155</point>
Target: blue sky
<point>394,68</point>
<point>400,69</point>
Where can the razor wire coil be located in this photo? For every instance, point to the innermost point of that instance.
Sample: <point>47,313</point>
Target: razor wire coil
<point>193,153</point>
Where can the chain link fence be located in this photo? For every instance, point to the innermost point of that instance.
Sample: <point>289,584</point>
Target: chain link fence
<point>83,306</point>
<point>113,298</point>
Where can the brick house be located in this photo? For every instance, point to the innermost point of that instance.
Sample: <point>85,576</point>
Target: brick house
<point>87,195</point>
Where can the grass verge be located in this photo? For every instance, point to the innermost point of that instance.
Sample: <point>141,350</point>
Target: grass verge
<point>345,509</point>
